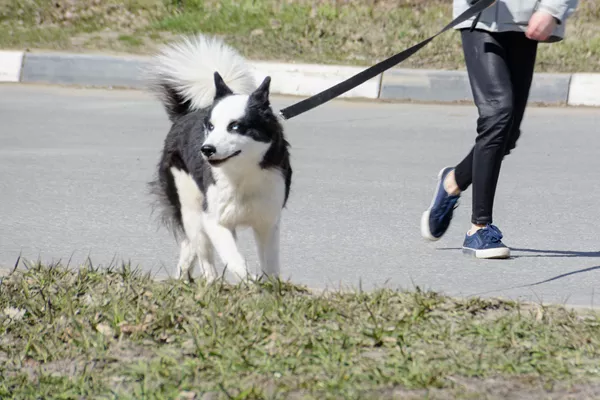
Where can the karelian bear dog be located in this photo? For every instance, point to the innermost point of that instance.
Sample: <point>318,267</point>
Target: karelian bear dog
<point>225,163</point>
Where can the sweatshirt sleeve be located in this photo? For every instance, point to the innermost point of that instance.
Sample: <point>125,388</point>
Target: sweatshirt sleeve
<point>559,9</point>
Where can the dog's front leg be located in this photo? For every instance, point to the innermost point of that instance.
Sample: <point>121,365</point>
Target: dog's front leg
<point>187,256</point>
<point>223,240</point>
<point>267,240</point>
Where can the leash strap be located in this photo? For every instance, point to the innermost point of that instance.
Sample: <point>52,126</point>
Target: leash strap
<point>363,76</point>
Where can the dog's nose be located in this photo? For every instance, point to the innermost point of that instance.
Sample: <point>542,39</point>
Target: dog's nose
<point>208,150</point>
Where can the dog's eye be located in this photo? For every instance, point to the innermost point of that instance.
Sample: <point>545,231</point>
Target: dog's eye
<point>234,126</point>
<point>210,126</point>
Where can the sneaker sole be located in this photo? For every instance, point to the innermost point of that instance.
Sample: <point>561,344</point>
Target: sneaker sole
<point>499,253</point>
<point>425,231</point>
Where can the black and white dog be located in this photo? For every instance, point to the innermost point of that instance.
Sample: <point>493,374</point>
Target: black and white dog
<point>225,162</point>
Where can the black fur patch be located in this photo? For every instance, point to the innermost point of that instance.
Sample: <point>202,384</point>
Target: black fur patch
<point>173,102</point>
<point>182,151</point>
<point>262,125</point>
<point>221,88</point>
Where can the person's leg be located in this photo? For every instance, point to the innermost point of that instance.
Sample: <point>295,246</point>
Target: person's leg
<point>510,62</point>
<point>489,77</point>
<point>520,57</point>
<point>500,68</point>
<point>522,53</point>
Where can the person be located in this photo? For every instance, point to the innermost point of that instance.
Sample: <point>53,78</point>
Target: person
<point>500,53</point>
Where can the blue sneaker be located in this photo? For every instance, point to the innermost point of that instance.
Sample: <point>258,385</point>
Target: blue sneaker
<point>436,220</point>
<point>486,243</point>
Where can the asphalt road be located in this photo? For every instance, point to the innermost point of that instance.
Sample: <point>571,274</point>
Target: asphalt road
<point>74,165</point>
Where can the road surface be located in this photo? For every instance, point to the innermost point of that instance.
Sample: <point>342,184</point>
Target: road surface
<point>74,165</point>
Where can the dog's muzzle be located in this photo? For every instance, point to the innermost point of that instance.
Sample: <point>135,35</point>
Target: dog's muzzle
<point>208,150</point>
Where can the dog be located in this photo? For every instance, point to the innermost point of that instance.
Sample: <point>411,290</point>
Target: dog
<point>225,162</point>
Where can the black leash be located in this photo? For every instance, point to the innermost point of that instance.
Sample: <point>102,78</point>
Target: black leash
<point>371,72</point>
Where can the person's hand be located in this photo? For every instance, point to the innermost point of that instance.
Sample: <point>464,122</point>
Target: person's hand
<point>541,25</point>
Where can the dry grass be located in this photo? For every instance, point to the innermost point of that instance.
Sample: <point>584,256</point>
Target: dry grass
<point>90,333</point>
<point>326,31</point>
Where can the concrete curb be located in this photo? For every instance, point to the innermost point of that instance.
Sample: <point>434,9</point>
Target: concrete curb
<point>577,89</point>
<point>10,65</point>
<point>585,90</point>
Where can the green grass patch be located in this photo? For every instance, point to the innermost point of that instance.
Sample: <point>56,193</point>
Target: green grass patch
<point>17,37</point>
<point>131,40</point>
<point>116,333</point>
<point>327,31</point>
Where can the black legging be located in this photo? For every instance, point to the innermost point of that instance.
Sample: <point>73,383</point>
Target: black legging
<point>500,68</point>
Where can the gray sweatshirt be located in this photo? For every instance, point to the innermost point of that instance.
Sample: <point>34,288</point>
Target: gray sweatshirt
<point>514,15</point>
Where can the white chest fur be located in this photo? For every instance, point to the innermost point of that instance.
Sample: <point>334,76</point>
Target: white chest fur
<point>254,199</point>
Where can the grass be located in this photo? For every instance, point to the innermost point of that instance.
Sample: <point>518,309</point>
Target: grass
<point>116,333</point>
<point>326,31</point>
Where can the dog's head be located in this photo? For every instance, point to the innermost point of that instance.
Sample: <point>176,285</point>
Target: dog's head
<point>239,129</point>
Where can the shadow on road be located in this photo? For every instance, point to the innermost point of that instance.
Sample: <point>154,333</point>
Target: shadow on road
<point>543,253</point>
<point>529,285</point>
<point>555,253</point>
<point>578,271</point>
<point>554,278</point>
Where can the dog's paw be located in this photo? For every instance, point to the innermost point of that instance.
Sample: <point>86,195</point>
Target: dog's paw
<point>210,278</point>
<point>239,270</point>
<point>185,278</point>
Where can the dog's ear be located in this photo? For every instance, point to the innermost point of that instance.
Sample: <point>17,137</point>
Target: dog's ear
<point>221,87</point>
<point>261,95</point>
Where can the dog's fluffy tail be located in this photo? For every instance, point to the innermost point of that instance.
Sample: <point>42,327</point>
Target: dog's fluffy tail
<point>182,73</point>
